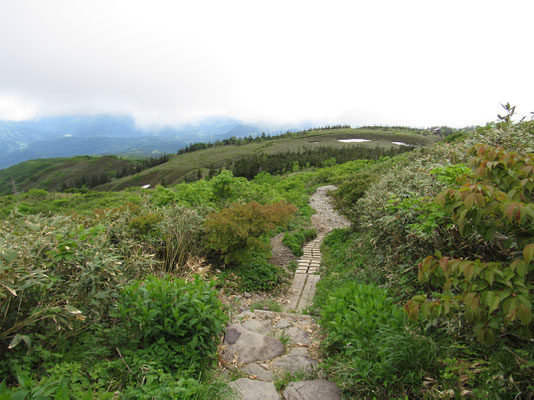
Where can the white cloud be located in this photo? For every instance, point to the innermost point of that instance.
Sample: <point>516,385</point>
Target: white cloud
<point>412,62</point>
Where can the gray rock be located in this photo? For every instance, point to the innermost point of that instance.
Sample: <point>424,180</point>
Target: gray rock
<point>231,335</point>
<point>257,326</point>
<point>295,363</point>
<point>299,351</point>
<point>244,314</point>
<point>283,323</point>
<point>298,336</point>
<point>247,295</point>
<point>248,389</point>
<point>249,346</point>
<point>257,370</point>
<point>312,390</point>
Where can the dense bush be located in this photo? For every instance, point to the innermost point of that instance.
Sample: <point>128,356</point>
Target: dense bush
<point>234,232</point>
<point>259,275</point>
<point>295,240</point>
<point>371,351</point>
<point>184,317</point>
<point>350,191</point>
<point>493,208</point>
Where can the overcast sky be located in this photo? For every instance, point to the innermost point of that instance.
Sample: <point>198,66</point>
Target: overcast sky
<point>418,63</point>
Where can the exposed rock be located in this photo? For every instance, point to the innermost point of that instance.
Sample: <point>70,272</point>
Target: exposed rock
<point>257,326</point>
<point>248,389</point>
<point>247,314</point>
<point>298,336</point>
<point>312,390</point>
<point>245,346</point>
<point>295,363</point>
<point>260,372</point>
<point>282,324</point>
<point>247,295</point>
<point>299,351</point>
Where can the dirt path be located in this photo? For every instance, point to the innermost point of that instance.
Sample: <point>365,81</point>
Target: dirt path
<point>264,345</point>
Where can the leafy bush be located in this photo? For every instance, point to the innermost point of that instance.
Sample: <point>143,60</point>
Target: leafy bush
<point>493,207</point>
<point>234,232</point>
<point>295,240</point>
<point>186,316</point>
<point>371,351</point>
<point>350,191</point>
<point>259,275</point>
<point>144,224</point>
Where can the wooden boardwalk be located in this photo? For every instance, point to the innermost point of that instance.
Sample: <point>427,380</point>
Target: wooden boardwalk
<point>306,276</point>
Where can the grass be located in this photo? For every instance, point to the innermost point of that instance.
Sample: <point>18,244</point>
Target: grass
<point>188,164</point>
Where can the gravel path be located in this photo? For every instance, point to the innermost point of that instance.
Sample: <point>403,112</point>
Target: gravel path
<point>326,218</point>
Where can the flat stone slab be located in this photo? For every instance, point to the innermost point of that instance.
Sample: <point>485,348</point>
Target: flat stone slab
<point>295,363</point>
<point>312,390</point>
<point>258,371</point>
<point>249,389</point>
<point>257,326</point>
<point>245,346</point>
<point>298,336</point>
<point>283,323</point>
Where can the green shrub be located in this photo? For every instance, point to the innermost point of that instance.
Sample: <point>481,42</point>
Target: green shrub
<point>144,224</point>
<point>187,316</point>
<point>350,191</point>
<point>234,232</point>
<point>493,208</point>
<point>295,240</point>
<point>371,351</point>
<point>259,275</point>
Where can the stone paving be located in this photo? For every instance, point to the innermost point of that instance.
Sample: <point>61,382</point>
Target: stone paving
<point>262,346</point>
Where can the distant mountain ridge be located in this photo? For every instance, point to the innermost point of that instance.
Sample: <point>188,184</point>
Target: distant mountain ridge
<point>67,136</point>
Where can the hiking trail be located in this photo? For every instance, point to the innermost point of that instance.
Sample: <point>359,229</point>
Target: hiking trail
<point>266,347</point>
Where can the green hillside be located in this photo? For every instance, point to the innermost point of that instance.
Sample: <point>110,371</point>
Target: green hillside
<point>59,174</point>
<point>182,166</point>
<point>428,294</point>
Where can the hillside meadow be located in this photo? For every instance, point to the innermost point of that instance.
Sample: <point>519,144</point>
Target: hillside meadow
<point>427,295</point>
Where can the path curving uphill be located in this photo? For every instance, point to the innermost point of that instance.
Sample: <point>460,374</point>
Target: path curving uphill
<point>307,275</point>
<point>264,345</point>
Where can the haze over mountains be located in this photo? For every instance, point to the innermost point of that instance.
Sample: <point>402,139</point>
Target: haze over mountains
<point>67,136</point>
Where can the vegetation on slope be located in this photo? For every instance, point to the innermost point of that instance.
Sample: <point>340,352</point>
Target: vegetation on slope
<point>114,294</point>
<point>87,278</point>
<point>207,162</point>
<point>59,174</point>
<point>445,232</point>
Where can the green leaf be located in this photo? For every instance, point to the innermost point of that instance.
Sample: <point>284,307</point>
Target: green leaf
<point>524,314</point>
<point>468,201</point>
<point>528,252</point>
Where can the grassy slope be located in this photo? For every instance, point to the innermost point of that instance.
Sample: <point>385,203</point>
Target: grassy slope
<point>175,170</point>
<point>49,174</point>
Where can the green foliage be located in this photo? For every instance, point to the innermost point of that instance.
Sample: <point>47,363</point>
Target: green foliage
<point>234,232</point>
<point>295,240</point>
<point>451,173</point>
<point>350,191</point>
<point>184,316</point>
<point>496,203</point>
<point>259,275</point>
<point>144,224</point>
<point>371,351</point>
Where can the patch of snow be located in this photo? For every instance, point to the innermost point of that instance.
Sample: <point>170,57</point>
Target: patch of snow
<point>314,142</point>
<point>353,140</point>
<point>402,144</point>
<point>146,186</point>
